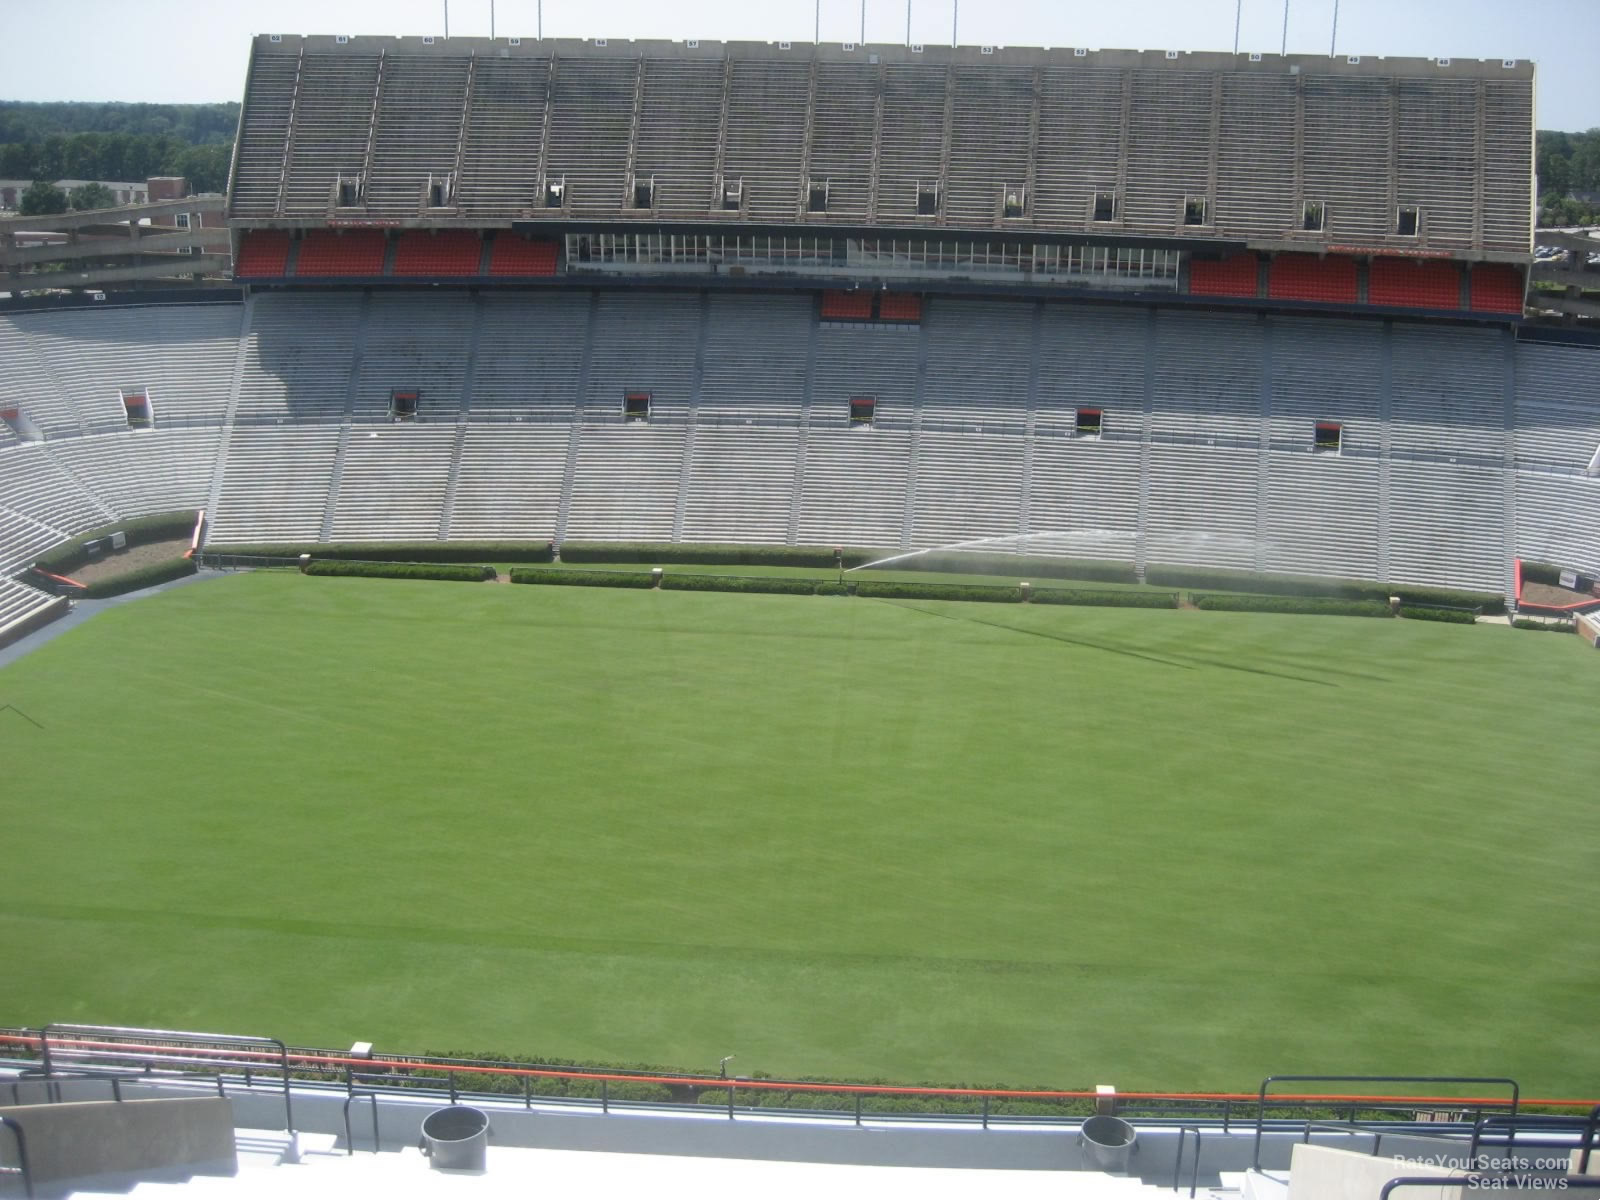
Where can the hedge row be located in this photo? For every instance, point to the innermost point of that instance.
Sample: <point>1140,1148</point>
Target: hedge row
<point>1537,572</point>
<point>400,570</point>
<point>140,577</point>
<point>1344,589</point>
<point>1547,626</point>
<point>162,527</point>
<point>939,591</point>
<point>773,584</point>
<point>419,552</point>
<point>1020,566</point>
<point>1450,616</point>
<point>1106,599</point>
<point>554,575</point>
<point>712,555</point>
<point>1325,606</point>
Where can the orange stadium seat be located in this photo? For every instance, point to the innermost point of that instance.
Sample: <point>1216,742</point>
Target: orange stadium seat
<point>1495,288</point>
<point>263,254</point>
<point>1309,277</point>
<point>900,306</point>
<point>847,306</point>
<point>1235,276</point>
<point>1405,283</point>
<point>331,252</point>
<point>442,252</point>
<point>513,255</point>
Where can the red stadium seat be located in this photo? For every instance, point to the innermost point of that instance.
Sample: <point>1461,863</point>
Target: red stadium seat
<point>899,306</point>
<point>1495,287</point>
<point>263,254</point>
<point>1234,276</point>
<point>443,252</point>
<point>847,306</point>
<point>331,252</point>
<point>514,255</point>
<point>1310,277</point>
<point>1408,283</point>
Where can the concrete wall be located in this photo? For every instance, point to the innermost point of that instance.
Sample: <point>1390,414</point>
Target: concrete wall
<point>104,1144</point>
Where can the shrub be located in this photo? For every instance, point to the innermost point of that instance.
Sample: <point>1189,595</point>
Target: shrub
<point>1537,572</point>
<point>140,577</point>
<point>421,552</point>
<point>739,583</point>
<point>1296,585</point>
<point>554,575</point>
<point>1323,606</point>
<point>140,531</point>
<point>1108,599</point>
<point>1019,566</point>
<point>711,554</point>
<point>833,589</point>
<point>400,570</point>
<point>939,591</point>
<point>1450,616</point>
<point>1547,626</point>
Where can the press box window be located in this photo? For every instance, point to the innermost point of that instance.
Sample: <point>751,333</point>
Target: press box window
<point>1195,210</point>
<point>1105,206</point>
<point>403,405</point>
<point>861,411</point>
<point>1313,216</point>
<point>817,195</point>
<point>636,406</point>
<point>1090,422</point>
<point>1405,224</point>
<point>1327,437</point>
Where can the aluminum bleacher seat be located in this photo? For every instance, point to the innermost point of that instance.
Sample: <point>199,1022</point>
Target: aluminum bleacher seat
<point>741,484</point>
<point>530,357</point>
<point>275,485</point>
<point>755,361</point>
<point>591,107</point>
<point>854,490</point>
<point>913,125</point>
<point>298,358</point>
<point>1448,392</point>
<point>333,122</point>
<point>1558,407</point>
<point>643,343</point>
<point>51,503</point>
<point>140,473</point>
<point>967,486</point>
<point>1082,109</point>
<point>1208,377</point>
<point>414,343</point>
<point>31,388</point>
<point>509,485</point>
<point>1202,507</point>
<point>841,138</point>
<point>1169,140</point>
<point>678,131</point>
<point>978,366</point>
<point>393,483</point>
<point>1447,525</point>
<point>1322,516</point>
<point>19,603</point>
<point>1326,371</point>
<point>990,135</point>
<point>415,136</point>
<point>1557,516</point>
<point>504,125</point>
<point>627,482</point>
<point>1084,499</point>
<point>264,137</point>
<point>1255,160</point>
<point>766,135</point>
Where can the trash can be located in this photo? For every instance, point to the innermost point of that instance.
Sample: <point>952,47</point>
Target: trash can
<point>455,1138</point>
<point>1108,1143</point>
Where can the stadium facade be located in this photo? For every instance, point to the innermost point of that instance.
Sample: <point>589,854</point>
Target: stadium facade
<point>1248,311</point>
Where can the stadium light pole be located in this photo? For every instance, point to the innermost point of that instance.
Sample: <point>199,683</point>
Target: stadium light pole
<point>447,20</point>
<point>491,20</point>
<point>1333,38</point>
<point>955,23</point>
<point>816,25</point>
<point>908,22</point>
<point>863,22</point>
<point>1284,48</point>
<point>1238,11</point>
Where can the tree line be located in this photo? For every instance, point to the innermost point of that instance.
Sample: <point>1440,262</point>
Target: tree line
<point>1568,164</point>
<point>118,141</point>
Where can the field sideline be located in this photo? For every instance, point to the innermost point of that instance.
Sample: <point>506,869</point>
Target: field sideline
<point>913,840</point>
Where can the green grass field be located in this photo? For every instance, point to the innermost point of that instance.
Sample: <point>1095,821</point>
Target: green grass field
<point>923,841</point>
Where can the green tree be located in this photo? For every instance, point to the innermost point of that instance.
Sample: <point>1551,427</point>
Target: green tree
<point>43,198</point>
<point>92,195</point>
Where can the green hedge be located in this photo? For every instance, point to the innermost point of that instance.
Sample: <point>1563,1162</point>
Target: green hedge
<point>1296,585</point>
<point>1547,626</point>
<point>712,555</point>
<point>1322,606</point>
<point>833,589</point>
<point>140,577</point>
<point>400,570</point>
<point>420,552</point>
<point>554,575</point>
<point>1449,616</point>
<point>774,584</point>
<point>938,591</point>
<point>1105,598</point>
<point>163,527</point>
<point>1019,566</point>
<point>1537,572</point>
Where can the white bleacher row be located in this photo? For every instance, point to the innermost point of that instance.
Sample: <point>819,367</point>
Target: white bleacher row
<point>748,437</point>
<point>19,603</point>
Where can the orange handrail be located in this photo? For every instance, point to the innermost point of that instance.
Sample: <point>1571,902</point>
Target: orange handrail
<point>421,1064</point>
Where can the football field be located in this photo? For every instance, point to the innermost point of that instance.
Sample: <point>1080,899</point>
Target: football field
<point>912,840</point>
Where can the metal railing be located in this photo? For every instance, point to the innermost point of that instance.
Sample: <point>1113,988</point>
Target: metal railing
<point>1451,1080</point>
<point>1177,1162</point>
<point>22,1167</point>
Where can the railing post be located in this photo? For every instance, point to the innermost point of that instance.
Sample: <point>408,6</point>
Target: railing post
<point>986,1112</point>
<point>731,1089</point>
<point>605,1097</point>
<point>453,1095</point>
<point>858,1108</point>
<point>527,1091</point>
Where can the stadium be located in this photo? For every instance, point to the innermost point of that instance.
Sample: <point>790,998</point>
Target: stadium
<point>967,468</point>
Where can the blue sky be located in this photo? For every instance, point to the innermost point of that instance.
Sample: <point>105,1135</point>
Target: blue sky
<point>180,50</point>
